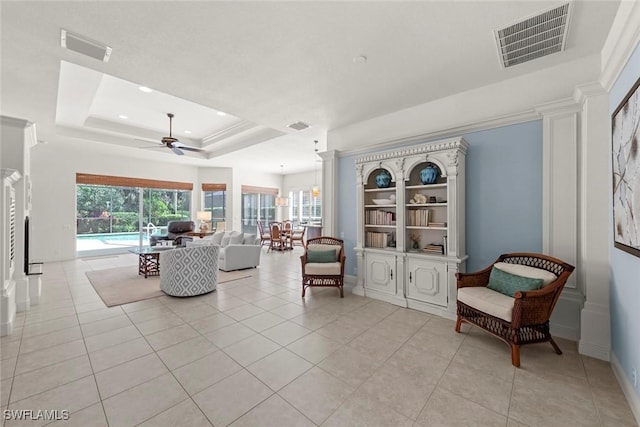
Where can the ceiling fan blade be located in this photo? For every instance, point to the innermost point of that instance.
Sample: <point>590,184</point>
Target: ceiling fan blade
<point>177,151</point>
<point>194,149</point>
<point>181,146</point>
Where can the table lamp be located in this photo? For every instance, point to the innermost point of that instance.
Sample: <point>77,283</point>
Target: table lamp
<point>204,217</point>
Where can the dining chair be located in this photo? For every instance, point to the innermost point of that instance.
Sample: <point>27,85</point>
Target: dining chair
<point>297,238</point>
<point>277,241</point>
<point>265,238</point>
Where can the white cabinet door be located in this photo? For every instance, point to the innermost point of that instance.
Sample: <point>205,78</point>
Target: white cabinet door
<point>381,273</point>
<point>426,281</point>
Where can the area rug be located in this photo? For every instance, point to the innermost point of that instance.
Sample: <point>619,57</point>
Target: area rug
<point>123,285</point>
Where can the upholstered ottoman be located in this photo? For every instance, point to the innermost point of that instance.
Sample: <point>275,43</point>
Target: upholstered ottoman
<point>189,271</point>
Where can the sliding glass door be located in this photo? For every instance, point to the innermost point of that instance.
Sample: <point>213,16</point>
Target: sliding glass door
<point>114,218</point>
<point>257,207</point>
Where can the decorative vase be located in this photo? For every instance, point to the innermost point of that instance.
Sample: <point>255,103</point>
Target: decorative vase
<point>429,175</point>
<point>383,179</point>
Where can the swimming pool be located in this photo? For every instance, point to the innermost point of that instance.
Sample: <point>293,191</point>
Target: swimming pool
<point>109,240</point>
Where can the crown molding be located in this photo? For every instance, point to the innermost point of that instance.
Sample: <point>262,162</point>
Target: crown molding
<point>623,38</point>
<point>451,132</point>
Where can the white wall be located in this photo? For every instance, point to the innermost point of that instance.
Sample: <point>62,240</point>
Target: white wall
<point>53,174</point>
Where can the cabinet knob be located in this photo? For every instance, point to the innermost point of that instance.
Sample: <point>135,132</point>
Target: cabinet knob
<point>409,277</point>
<point>391,274</point>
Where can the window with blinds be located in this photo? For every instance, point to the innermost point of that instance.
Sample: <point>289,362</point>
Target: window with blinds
<point>215,201</point>
<point>258,204</point>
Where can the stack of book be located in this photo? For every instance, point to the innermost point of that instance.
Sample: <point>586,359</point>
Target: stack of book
<point>378,240</point>
<point>434,249</point>
<point>380,218</point>
<point>437,224</point>
<point>419,217</point>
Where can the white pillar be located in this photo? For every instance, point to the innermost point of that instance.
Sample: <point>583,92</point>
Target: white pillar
<point>560,206</point>
<point>328,192</point>
<point>595,204</point>
<point>18,136</point>
<point>8,250</point>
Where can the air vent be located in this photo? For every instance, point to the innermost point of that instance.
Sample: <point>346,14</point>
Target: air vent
<point>534,37</point>
<point>85,46</point>
<point>298,126</point>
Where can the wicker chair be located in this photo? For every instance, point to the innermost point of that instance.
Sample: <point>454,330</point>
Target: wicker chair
<point>298,237</point>
<point>528,322</point>
<point>265,238</point>
<point>330,274</point>
<point>277,241</point>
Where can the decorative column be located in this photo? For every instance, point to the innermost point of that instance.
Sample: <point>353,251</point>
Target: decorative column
<point>560,179</point>
<point>359,249</point>
<point>8,250</point>
<point>595,228</point>
<point>329,193</point>
<point>18,136</point>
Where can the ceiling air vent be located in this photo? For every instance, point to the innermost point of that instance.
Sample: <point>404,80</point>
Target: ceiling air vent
<point>534,37</point>
<point>298,126</point>
<point>85,46</point>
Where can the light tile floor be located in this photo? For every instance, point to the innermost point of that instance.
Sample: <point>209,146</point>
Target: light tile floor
<point>254,353</point>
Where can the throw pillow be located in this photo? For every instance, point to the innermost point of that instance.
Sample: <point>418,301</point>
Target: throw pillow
<point>249,239</point>
<point>236,238</point>
<point>217,238</point>
<point>508,284</point>
<point>321,256</point>
<point>225,241</point>
<point>324,247</point>
<point>527,271</point>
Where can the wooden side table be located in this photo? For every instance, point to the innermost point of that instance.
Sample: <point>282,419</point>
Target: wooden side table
<point>199,234</point>
<point>149,260</point>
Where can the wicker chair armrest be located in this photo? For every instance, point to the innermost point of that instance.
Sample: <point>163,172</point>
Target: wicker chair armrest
<point>535,307</point>
<point>479,278</point>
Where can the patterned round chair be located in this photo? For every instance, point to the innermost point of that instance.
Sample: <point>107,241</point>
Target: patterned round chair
<point>189,271</point>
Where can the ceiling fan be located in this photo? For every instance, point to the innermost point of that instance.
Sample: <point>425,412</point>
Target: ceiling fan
<point>173,143</point>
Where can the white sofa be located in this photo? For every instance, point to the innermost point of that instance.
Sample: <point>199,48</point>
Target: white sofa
<point>237,250</point>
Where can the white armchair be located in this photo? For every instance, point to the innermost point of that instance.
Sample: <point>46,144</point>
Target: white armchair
<point>189,271</point>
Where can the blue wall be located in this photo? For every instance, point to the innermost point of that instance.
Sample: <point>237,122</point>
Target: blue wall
<point>625,268</point>
<point>503,194</point>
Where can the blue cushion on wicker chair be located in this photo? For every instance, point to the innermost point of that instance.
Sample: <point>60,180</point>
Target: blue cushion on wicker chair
<point>321,256</point>
<point>509,284</point>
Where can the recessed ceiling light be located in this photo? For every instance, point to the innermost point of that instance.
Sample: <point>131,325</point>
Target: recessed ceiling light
<point>145,89</point>
<point>221,113</point>
<point>187,131</point>
<point>122,116</point>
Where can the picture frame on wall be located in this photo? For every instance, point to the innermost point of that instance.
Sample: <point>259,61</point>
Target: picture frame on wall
<point>625,140</point>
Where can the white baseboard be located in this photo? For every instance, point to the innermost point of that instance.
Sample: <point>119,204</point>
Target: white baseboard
<point>563,331</point>
<point>627,387</point>
<point>6,328</point>
<point>594,350</point>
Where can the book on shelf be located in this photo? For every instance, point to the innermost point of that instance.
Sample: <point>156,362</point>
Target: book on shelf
<point>437,224</point>
<point>378,217</point>
<point>445,245</point>
<point>419,217</point>
<point>434,249</point>
<point>374,239</point>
